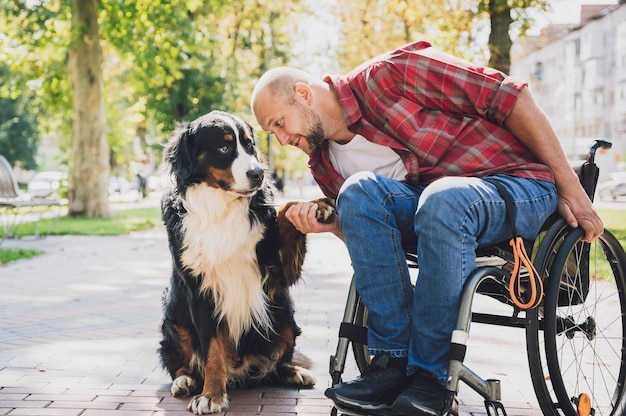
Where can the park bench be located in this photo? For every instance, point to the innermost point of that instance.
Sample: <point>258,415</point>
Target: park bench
<point>17,207</point>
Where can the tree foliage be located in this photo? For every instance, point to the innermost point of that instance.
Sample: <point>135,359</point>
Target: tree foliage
<point>18,125</point>
<point>162,62</point>
<point>456,26</point>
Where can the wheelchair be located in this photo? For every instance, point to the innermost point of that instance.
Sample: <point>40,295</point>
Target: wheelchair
<point>575,337</point>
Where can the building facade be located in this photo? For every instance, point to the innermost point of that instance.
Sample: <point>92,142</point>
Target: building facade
<point>578,76</point>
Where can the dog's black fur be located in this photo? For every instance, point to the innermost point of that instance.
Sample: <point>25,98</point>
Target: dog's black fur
<point>228,315</point>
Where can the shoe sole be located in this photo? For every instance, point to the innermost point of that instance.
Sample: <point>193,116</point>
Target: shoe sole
<point>348,411</point>
<point>356,405</point>
<point>400,409</point>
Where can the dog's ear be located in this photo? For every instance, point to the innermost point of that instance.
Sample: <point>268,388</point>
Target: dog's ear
<point>178,154</point>
<point>251,130</point>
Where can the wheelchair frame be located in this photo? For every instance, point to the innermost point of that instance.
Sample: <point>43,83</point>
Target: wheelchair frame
<point>558,247</point>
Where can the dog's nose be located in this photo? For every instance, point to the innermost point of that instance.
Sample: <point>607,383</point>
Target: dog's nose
<point>255,176</point>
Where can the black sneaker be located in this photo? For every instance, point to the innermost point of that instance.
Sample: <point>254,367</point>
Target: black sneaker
<point>376,389</point>
<point>425,396</point>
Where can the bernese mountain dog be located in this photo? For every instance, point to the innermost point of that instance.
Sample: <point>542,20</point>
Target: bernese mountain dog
<point>228,314</point>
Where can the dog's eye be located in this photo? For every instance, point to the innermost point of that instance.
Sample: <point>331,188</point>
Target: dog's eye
<point>224,149</point>
<point>249,145</point>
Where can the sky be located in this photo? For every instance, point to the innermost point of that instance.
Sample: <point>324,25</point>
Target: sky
<point>567,11</point>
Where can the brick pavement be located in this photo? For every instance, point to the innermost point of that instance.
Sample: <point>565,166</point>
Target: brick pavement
<point>79,329</point>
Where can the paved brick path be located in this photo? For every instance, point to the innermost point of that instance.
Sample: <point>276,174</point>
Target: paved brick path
<point>79,329</point>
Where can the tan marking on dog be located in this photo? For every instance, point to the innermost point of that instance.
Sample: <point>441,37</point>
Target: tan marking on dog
<point>214,176</point>
<point>287,340</point>
<point>184,383</point>
<point>186,347</point>
<point>214,398</point>
<point>215,374</point>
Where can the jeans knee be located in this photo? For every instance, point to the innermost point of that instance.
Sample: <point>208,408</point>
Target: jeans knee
<point>354,191</point>
<point>437,199</point>
<point>442,202</point>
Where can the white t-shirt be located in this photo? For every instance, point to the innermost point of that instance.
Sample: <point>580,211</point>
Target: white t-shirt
<point>359,154</point>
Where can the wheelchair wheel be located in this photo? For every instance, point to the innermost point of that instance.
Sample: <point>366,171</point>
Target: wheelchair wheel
<point>584,326</point>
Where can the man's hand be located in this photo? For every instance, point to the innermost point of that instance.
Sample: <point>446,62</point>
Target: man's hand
<point>577,210</point>
<point>303,216</point>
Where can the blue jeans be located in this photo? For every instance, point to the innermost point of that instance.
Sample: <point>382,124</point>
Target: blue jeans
<point>448,220</point>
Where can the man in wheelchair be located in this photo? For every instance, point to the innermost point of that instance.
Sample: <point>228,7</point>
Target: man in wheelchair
<point>404,143</point>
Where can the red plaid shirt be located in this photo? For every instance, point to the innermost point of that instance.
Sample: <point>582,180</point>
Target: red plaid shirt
<point>442,115</point>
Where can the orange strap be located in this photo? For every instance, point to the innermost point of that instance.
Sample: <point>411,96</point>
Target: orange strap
<point>521,259</point>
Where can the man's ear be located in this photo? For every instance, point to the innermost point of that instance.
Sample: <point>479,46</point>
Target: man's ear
<point>303,91</point>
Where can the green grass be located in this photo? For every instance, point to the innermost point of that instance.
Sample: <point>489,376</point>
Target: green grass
<point>12,254</point>
<point>615,221</point>
<point>121,222</point>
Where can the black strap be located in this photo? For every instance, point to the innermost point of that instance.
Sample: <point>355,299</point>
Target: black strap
<point>355,333</point>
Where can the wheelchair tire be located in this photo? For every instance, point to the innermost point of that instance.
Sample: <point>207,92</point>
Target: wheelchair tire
<point>546,246</point>
<point>584,325</point>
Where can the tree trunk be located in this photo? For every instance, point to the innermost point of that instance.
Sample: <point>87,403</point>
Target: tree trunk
<point>88,193</point>
<point>499,39</point>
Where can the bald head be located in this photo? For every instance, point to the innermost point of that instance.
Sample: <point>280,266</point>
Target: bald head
<point>278,84</point>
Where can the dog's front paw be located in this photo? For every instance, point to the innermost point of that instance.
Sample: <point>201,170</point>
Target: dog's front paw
<point>204,404</point>
<point>326,210</point>
<point>183,386</point>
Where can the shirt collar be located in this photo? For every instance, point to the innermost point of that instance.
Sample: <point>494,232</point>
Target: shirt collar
<point>347,100</point>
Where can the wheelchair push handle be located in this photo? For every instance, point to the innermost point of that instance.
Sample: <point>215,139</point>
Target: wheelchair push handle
<point>589,171</point>
<point>599,143</point>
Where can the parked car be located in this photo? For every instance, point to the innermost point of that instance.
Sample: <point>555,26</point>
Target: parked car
<point>614,188</point>
<point>47,184</point>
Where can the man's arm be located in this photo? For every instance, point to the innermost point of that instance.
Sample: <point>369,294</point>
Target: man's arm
<point>530,125</point>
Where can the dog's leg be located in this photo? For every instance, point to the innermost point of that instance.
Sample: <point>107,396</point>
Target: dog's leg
<point>292,247</point>
<point>293,242</point>
<point>291,373</point>
<point>213,398</point>
<point>184,384</point>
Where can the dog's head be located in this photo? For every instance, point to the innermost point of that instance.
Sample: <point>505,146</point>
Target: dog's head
<point>217,149</point>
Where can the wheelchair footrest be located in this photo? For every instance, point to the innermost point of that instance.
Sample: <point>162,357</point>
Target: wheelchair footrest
<point>497,407</point>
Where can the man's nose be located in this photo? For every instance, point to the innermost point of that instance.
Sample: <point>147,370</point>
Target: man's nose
<point>282,138</point>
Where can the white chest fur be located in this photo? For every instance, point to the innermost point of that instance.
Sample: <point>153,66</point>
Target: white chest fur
<point>220,248</point>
